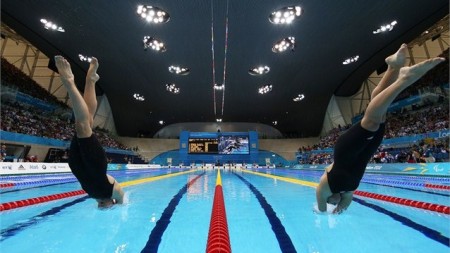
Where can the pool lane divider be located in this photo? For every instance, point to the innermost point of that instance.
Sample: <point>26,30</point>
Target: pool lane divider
<point>426,231</point>
<point>410,184</point>
<point>20,226</point>
<point>283,238</point>
<point>7,185</point>
<point>401,201</point>
<point>40,182</point>
<point>437,186</point>
<point>150,179</point>
<point>406,202</point>
<point>38,200</point>
<point>155,236</point>
<point>43,199</point>
<point>218,236</point>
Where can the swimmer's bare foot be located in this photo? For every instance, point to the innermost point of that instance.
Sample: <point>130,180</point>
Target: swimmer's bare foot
<point>411,74</point>
<point>92,72</point>
<point>398,59</point>
<point>64,69</point>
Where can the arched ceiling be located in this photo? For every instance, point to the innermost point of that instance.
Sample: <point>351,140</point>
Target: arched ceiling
<point>327,33</point>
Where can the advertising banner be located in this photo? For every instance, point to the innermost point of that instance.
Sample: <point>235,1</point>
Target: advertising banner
<point>143,166</point>
<point>16,168</point>
<point>423,169</point>
<point>11,168</point>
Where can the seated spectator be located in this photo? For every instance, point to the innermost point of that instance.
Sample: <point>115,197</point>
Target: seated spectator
<point>427,155</point>
<point>3,153</point>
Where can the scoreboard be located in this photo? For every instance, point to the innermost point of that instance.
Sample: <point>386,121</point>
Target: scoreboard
<point>203,146</point>
<point>218,147</point>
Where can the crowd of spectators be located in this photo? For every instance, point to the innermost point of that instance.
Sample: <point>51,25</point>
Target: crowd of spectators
<point>29,120</point>
<point>13,77</point>
<point>434,150</point>
<point>19,118</point>
<point>435,78</point>
<point>433,118</point>
<point>24,119</point>
<point>327,141</point>
<point>429,117</point>
<point>428,150</point>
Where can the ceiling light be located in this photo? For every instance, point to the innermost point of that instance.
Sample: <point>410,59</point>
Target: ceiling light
<point>219,87</point>
<point>51,26</point>
<point>386,28</point>
<point>179,70</point>
<point>284,44</point>
<point>265,89</point>
<point>153,14</point>
<point>299,97</point>
<point>161,122</point>
<point>172,88</point>
<point>154,44</point>
<point>275,123</point>
<point>261,70</point>
<point>138,97</point>
<point>218,120</point>
<point>351,60</point>
<point>285,15</point>
<point>84,58</point>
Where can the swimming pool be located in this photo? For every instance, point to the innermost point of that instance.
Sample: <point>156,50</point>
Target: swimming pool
<point>267,210</point>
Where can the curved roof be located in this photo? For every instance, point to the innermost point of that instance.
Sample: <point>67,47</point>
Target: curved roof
<point>326,34</point>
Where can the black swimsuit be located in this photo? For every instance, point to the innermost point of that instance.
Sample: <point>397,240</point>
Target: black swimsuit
<point>352,152</point>
<point>88,163</point>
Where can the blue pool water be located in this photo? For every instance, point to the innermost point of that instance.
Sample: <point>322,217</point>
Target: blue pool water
<point>264,214</point>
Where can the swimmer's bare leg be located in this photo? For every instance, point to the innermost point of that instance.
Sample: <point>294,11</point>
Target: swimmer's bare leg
<point>89,90</point>
<point>79,106</point>
<point>394,62</point>
<point>377,108</point>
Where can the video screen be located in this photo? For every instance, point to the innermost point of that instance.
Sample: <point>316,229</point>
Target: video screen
<point>202,146</point>
<point>233,145</point>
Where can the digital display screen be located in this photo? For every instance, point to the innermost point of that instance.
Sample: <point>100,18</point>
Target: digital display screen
<point>233,145</point>
<point>203,146</point>
<point>223,145</point>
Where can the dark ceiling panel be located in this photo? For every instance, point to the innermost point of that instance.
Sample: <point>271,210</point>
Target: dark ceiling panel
<point>326,34</point>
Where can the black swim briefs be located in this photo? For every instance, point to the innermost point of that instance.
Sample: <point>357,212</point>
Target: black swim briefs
<point>352,152</point>
<point>88,163</point>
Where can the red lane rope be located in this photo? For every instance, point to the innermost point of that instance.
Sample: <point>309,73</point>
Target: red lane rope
<point>218,237</point>
<point>438,186</point>
<point>38,200</point>
<point>7,185</point>
<point>407,202</point>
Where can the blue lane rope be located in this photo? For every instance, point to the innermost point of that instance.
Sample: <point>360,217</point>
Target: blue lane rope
<point>428,232</point>
<point>161,225</point>
<point>284,241</point>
